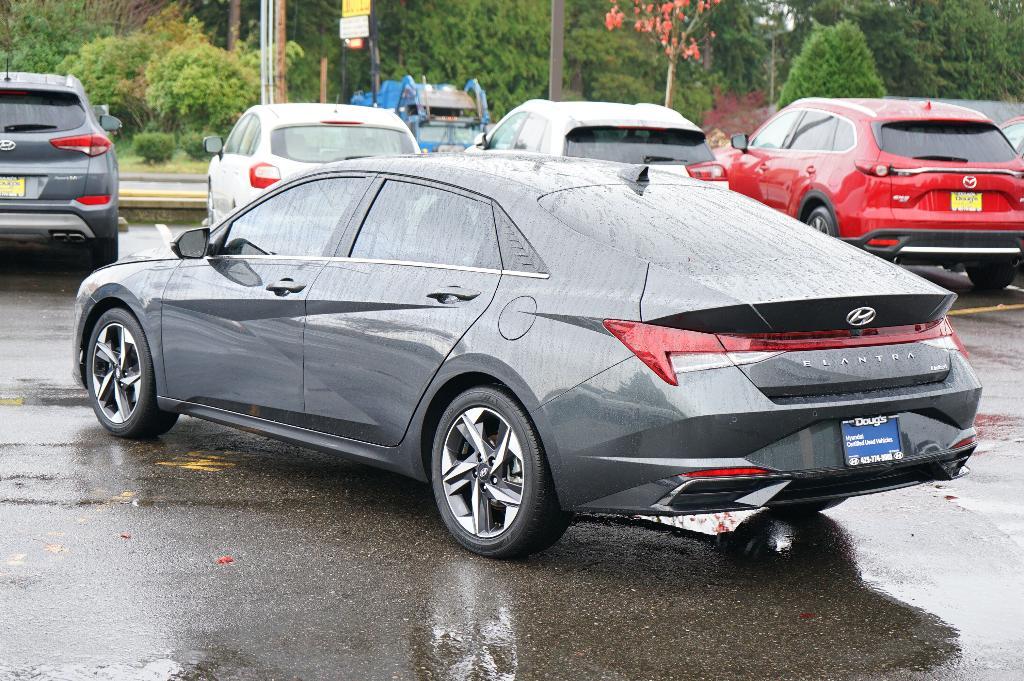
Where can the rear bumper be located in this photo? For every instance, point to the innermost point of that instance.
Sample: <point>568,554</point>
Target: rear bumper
<point>619,442</point>
<point>65,221</point>
<point>945,247</point>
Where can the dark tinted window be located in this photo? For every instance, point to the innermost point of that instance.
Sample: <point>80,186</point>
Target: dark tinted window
<point>298,221</point>
<point>638,145</point>
<point>844,136</point>
<point>938,141</point>
<point>22,111</point>
<point>532,134</point>
<point>414,223</point>
<point>814,133</point>
<point>505,135</point>
<point>327,143</point>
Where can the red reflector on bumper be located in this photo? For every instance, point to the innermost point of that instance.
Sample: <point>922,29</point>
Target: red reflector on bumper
<point>966,441</point>
<point>883,243</point>
<point>96,200</point>
<point>727,472</point>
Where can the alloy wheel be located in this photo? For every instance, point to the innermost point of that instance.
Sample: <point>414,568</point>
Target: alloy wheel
<point>116,372</point>
<point>482,472</point>
<point>819,223</point>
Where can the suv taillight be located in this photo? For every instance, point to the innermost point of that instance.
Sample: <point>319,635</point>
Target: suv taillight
<point>670,352</point>
<point>90,145</point>
<point>707,171</point>
<point>262,175</point>
<point>872,168</point>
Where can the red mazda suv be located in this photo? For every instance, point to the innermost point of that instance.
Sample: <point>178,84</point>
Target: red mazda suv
<point>911,181</point>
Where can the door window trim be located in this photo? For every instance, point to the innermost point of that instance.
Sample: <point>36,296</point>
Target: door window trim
<point>380,261</point>
<point>802,111</point>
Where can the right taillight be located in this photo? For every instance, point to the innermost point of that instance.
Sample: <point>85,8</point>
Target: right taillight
<point>707,171</point>
<point>948,338</point>
<point>872,168</point>
<point>262,175</point>
<point>90,145</point>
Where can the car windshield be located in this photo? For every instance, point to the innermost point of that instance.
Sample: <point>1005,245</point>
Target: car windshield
<point>22,111</point>
<point>327,143</point>
<point>463,134</point>
<point>638,145</point>
<point>942,141</point>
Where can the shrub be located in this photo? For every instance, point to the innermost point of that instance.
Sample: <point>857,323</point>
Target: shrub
<point>154,147</point>
<point>834,62</point>
<point>191,142</point>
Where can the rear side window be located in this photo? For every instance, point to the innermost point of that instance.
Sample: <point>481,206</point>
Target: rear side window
<point>638,145</point>
<point>814,133</point>
<point>413,223</point>
<point>1015,133</point>
<point>941,141</point>
<point>844,136</point>
<point>299,221</point>
<point>22,111</point>
<point>327,143</point>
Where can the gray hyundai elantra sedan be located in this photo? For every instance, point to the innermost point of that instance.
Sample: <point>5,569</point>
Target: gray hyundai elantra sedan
<point>537,337</point>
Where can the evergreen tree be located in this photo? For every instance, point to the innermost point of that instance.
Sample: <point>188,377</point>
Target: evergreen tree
<point>834,62</point>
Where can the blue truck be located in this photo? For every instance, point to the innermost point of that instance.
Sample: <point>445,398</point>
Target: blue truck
<point>442,117</point>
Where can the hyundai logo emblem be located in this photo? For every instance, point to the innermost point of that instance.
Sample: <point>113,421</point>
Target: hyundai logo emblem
<point>970,182</point>
<point>861,316</point>
<point>7,145</point>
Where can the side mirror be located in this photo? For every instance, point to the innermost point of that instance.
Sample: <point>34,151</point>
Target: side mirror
<point>110,123</point>
<point>740,142</point>
<point>213,144</point>
<point>192,244</point>
<point>480,141</point>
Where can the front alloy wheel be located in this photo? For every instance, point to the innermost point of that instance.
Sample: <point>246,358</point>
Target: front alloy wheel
<point>482,472</point>
<point>116,371</point>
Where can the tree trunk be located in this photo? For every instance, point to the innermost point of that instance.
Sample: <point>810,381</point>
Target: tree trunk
<point>670,81</point>
<point>234,23</point>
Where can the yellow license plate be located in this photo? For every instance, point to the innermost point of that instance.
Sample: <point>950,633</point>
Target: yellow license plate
<point>12,186</point>
<point>968,202</point>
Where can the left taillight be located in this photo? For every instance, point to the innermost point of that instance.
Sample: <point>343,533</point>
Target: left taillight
<point>707,171</point>
<point>262,175</point>
<point>90,145</point>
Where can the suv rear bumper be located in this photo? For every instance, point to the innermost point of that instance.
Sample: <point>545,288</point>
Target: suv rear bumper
<point>944,247</point>
<point>65,221</point>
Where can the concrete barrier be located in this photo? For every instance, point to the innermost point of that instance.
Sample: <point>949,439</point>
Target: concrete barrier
<point>167,206</point>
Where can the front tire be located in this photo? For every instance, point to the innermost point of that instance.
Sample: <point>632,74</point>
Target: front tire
<point>821,219</point>
<point>992,277</point>
<point>120,378</point>
<point>490,477</point>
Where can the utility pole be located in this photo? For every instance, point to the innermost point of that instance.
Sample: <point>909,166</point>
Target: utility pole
<point>374,54</point>
<point>557,48</point>
<point>280,42</point>
<point>234,23</point>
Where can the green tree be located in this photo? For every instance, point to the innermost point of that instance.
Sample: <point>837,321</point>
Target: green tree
<point>113,71</point>
<point>37,34</point>
<point>835,62</point>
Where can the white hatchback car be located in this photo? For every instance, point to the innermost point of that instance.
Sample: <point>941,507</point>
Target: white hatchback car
<point>628,133</point>
<point>270,142</point>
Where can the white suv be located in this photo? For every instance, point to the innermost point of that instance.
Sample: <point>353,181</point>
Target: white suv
<point>628,133</point>
<point>272,141</point>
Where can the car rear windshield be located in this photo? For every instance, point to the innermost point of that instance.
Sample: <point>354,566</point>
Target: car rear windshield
<point>327,143</point>
<point>25,111</point>
<point>638,145</point>
<point>939,141</point>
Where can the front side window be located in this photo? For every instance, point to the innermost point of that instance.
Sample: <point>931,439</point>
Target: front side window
<point>638,145</point>
<point>531,136</point>
<point>300,221</point>
<point>414,223</point>
<point>234,141</point>
<point>814,133</point>
<point>251,138</point>
<point>505,136</point>
<point>945,141</point>
<point>773,135</point>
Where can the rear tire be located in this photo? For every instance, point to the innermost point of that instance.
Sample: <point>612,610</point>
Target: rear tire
<point>120,378</point>
<point>992,277</point>
<point>821,219</point>
<point>803,511</point>
<point>476,490</point>
<point>103,252</point>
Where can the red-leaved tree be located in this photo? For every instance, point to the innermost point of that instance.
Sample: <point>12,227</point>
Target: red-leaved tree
<point>677,27</point>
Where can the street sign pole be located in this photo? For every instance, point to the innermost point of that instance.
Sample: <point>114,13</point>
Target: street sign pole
<point>557,41</point>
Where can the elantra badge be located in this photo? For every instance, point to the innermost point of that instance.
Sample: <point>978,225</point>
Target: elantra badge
<point>970,181</point>
<point>7,145</point>
<point>861,316</point>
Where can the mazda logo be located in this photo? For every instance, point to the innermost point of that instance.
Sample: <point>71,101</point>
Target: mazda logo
<point>861,316</point>
<point>970,181</point>
<point>7,145</point>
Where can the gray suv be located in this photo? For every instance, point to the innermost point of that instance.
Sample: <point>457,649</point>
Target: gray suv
<point>58,170</point>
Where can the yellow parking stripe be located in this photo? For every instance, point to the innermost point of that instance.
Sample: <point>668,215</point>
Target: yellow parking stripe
<point>990,308</point>
<point>11,401</point>
<point>162,194</point>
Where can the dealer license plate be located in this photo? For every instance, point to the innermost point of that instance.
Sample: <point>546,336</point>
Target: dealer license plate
<point>12,187</point>
<point>965,202</point>
<point>871,440</point>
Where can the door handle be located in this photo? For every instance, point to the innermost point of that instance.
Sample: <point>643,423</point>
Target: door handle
<point>763,168</point>
<point>453,294</point>
<point>285,286</point>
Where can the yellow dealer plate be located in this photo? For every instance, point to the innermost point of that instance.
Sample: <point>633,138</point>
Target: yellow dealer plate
<point>12,187</point>
<point>968,202</point>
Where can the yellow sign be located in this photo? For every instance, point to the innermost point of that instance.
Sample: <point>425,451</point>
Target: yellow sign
<point>968,202</point>
<point>355,8</point>
<point>12,187</point>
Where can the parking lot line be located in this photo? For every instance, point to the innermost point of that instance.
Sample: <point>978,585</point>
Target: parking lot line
<point>990,308</point>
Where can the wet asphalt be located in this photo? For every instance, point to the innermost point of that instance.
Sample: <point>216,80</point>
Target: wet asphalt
<point>114,554</point>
